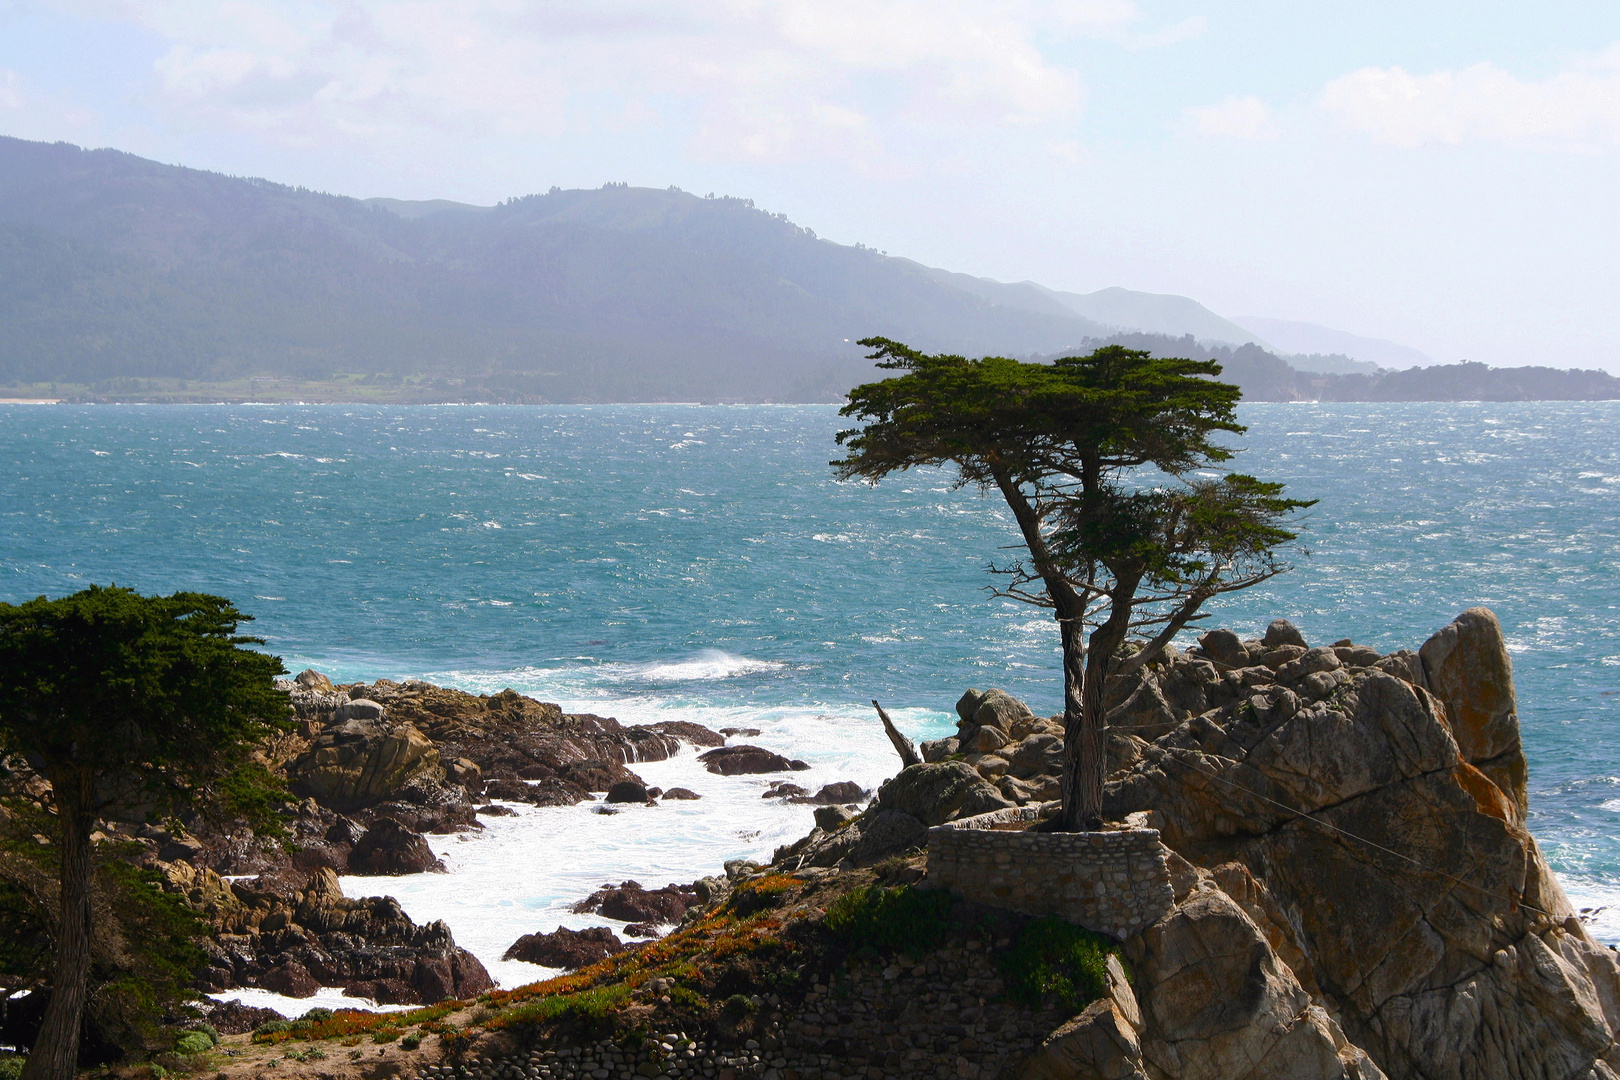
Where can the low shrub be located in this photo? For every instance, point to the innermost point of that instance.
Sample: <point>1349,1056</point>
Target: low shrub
<point>592,1005</point>
<point>750,897</point>
<point>193,1042</point>
<point>411,1041</point>
<point>891,919</point>
<point>1052,959</point>
<point>11,1066</point>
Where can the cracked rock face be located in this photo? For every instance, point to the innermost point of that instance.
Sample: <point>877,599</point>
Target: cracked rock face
<point>1363,817</point>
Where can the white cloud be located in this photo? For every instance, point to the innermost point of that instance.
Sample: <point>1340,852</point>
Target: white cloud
<point>1574,109</point>
<point>11,95</point>
<point>754,79</point>
<point>1234,118</point>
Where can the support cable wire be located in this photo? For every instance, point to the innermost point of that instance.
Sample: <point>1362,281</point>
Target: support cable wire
<point>1518,902</point>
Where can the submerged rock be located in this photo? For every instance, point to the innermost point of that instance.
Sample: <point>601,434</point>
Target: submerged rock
<point>738,760</point>
<point>629,902</point>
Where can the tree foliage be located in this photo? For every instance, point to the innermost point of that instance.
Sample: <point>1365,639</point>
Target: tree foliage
<point>124,704</point>
<point>1103,461</point>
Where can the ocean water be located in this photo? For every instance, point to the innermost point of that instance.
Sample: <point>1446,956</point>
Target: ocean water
<point>698,562</point>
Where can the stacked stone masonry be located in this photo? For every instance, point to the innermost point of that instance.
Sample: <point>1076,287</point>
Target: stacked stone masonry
<point>1113,882</point>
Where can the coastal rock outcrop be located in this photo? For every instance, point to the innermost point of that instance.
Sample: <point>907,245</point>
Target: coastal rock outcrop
<point>390,848</point>
<point>630,902</point>
<point>294,934</point>
<point>361,759</point>
<point>738,760</point>
<point>1391,871</point>
<point>565,948</point>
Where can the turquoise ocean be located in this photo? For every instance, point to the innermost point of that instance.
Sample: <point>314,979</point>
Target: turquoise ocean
<point>699,562</point>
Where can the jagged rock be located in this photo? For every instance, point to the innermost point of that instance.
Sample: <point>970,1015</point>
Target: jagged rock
<point>627,791</point>
<point>1039,755</point>
<point>312,680</point>
<point>1466,666</point>
<point>985,739</point>
<point>845,791</point>
<point>235,1018</point>
<point>738,760</point>
<point>1218,1004</point>
<point>741,732</point>
<point>1103,1041</point>
<point>496,810</point>
<point>597,774</point>
<point>990,766</point>
<point>360,762</point>
<point>357,709</point>
<point>1282,632</point>
<point>830,817</point>
<point>290,979</point>
<point>940,749</point>
<point>1224,647</point>
<point>995,708</point>
<point>551,792</point>
<point>1410,902</point>
<point>389,848</point>
<point>882,834</point>
<point>565,948</point>
<point>183,849</point>
<point>784,790</point>
<point>934,793</point>
<point>286,922</point>
<point>629,902</point>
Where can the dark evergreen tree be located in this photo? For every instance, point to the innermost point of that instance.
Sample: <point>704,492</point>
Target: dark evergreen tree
<point>1095,456</point>
<point>117,701</point>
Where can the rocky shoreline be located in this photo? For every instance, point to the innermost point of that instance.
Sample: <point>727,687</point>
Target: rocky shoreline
<point>377,767</point>
<point>1355,893</point>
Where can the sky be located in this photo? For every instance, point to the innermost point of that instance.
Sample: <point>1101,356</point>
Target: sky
<point>1439,174</point>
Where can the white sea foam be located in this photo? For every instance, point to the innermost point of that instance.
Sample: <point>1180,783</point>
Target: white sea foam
<point>524,873</point>
<point>327,997</point>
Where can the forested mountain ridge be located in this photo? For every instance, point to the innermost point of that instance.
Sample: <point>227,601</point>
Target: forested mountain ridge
<point>119,274</point>
<point>112,266</point>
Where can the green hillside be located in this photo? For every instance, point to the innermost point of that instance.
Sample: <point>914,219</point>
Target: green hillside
<point>113,266</point>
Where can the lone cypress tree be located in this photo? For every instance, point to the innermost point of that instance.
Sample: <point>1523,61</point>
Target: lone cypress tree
<point>120,700</point>
<point>1096,457</point>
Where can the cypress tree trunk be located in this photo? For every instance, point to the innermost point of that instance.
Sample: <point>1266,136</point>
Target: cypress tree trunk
<point>1077,747</point>
<point>55,1053</point>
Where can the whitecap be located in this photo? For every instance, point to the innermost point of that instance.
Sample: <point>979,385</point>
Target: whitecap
<point>327,997</point>
<point>706,666</point>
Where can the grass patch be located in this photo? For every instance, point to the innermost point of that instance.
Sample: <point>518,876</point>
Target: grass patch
<point>594,1004</point>
<point>344,1023</point>
<point>1054,960</point>
<point>891,919</point>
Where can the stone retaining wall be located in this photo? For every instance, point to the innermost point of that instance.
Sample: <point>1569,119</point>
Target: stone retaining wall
<point>1113,882</point>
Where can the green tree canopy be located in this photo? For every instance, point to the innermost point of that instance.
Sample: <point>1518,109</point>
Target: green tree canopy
<point>1100,458</point>
<point>121,702</point>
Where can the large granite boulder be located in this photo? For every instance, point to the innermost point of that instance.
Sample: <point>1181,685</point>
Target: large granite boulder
<point>937,792</point>
<point>360,762</point>
<point>1390,872</point>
